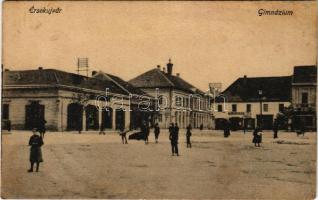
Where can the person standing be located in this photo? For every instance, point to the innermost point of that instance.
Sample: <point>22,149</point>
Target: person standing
<point>9,126</point>
<point>227,132</point>
<point>188,135</point>
<point>102,128</point>
<point>35,142</point>
<point>174,137</point>
<point>122,133</point>
<point>145,131</point>
<point>275,129</point>
<point>157,132</point>
<point>257,137</point>
<point>42,128</point>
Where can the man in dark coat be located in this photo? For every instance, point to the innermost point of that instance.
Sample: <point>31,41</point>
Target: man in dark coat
<point>42,128</point>
<point>145,131</point>
<point>275,129</point>
<point>227,132</point>
<point>157,132</point>
<point>188,135</point>
<point>102,128</point>
<point>35,152</point>
<point>9,125</point>
<point>174,137</point>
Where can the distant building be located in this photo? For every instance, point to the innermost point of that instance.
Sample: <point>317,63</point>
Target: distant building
<point>179,101</point>
<point>304,88</point>
<point>67,101</point>
<point>252,101</point>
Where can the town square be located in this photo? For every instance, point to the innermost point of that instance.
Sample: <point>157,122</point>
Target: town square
<point>100,166</point>
<point>159,100</point>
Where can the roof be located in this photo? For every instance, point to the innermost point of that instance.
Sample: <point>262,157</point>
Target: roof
<point>58,78</point>
<point>156,78</point>
<point>305,74</point>
<point>120,82</point>
<point>247,89</point>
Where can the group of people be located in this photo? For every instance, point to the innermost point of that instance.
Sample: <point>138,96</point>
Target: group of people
<point>173,135</point>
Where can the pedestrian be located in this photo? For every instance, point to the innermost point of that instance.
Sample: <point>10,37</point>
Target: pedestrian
<point>101,129</point>
<point>79,127</point>
<point>188,135</point>
<point>145,131</point>
<point>9,125</point>
<point>227,131</point>
<point>301,127</point>
<point>41,127</point>
<point>174,136</point>
<point>201,127</point>
<point>275,129</point>
<point>157,132</point>
<point>257,137</point>
<point>122,133</point>
<point>35,142</point>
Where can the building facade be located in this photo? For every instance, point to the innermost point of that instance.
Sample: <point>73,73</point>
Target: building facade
<point>66,101</point>
<point>177,100</point>
<point>249,102</point>
<point>304,91</point>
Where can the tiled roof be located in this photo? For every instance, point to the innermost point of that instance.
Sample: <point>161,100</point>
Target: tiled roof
<point>246,89</point>
<point>305,74</point>
<point>58,78</point>
<point>156,78</point>
<point>121,83</point>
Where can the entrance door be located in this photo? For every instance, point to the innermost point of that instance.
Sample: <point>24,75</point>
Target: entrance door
<point>120,118</point>
<point>91,117</point>
<point>265,121</point>
<point>107,119</point>
<point>74,117</point>
<point>34,113</point>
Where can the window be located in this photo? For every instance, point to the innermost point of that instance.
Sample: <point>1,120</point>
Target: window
<point>160,100</point>
<point>248,108</point>
<point>234,107</point>
<point>178,101</point>
<point>304,98</point>
<point>160,117</point>
<point>265,107</point>
<point>281,107</point>
<point>186,102</point>
<point>5,111</point>
<point>220,108</point>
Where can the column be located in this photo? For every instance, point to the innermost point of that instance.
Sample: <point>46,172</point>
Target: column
<point>100,112</point>
<point>84,119</point>
<point>114,119</point>
<point>127,118</point>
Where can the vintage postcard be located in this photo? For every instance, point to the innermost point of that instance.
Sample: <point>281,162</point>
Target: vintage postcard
<point>159,100</point>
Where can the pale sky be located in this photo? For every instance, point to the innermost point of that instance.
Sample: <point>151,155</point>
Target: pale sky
<point>207,41</point>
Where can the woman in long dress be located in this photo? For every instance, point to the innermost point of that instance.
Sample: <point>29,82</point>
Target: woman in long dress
<point>35,142</point>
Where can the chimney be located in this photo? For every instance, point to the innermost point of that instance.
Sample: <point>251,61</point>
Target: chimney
<point>40,68</point>
<point>169,67</point>
<point>178,74</point>
<point>245,80</point>
<point>158,67</point>
<point>94,73</point>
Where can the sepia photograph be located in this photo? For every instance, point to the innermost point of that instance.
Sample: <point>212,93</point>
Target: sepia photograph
<point>159,100</point>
